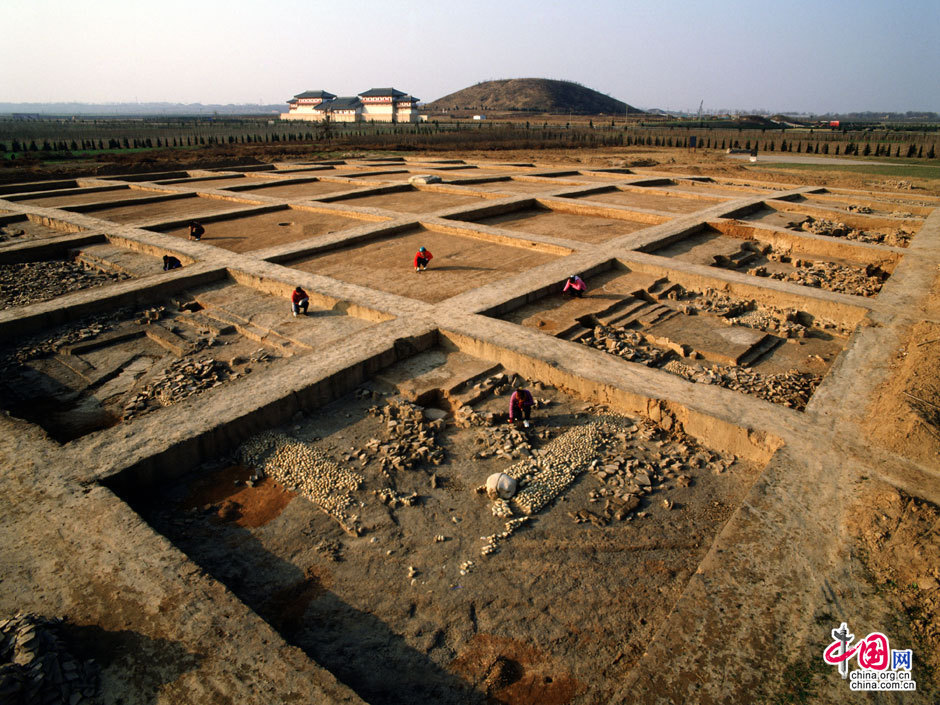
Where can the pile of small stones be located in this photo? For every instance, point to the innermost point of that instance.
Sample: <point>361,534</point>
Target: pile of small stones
<point>791,389</point>
<point>642,457</point>
<point>183,378</point>
<point>37,668</point>
<point>831,276</point>
<point>552,468</point>
<point>393,499</point>
<point>508,442</point>
<point>627,344</point>
<point>491,542</point>
<point>830,228</point>
<point>305,468</point>
<point>30,282</point>
<point>410,437</point>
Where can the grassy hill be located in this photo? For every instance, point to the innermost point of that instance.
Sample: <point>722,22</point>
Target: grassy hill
<point>540,95</point>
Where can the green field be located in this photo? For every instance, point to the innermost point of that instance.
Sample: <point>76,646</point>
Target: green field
<point>907,170</point>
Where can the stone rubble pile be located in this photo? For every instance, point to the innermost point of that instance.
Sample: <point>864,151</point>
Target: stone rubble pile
<point>411,438</point>
<point>899,238</point>
<point>37,668</point>
<point>43,345</point>
<point>792,389</point>
<point>505,441</point>
<point>30,282</point>
<point>783,322</point>
<point>555,466</point>
<point>306,469</point>
<point>864,210</point>
<point>640,458</point>
<point>840,278</point>
<point>183,378</point>
<point>628,344</point>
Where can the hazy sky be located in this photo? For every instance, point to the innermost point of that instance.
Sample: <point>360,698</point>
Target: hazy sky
<point>802,55</point>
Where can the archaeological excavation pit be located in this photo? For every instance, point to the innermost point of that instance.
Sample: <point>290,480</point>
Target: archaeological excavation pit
<point>255,231</point>
<point>865,206</point>
<point>460,263</point>
<point>709,187</point>
<point>779,353</point>
<point>301,188</point>
<point>221,182</point>
<point>163,210</point>
<point>645,198</point>
<point>774,254</point>
<point>567,221</point>
<point>81,197</point>
<point>18,229</point>
<point>111,368</point>
<point>410,199</point>
<point>855,226</point>
<point>358,532</point>
<point>510,185</point>
<point>261,504</point>
<point>28,282</point>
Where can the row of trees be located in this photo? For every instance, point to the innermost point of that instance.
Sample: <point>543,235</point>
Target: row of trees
<point>154,143</point>
<point>496,135</point>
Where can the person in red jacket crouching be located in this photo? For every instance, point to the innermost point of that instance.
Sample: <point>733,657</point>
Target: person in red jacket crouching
<point>574,287</point>
<point>299,301</point>
<point>520,405</point>
<point>422,257</point>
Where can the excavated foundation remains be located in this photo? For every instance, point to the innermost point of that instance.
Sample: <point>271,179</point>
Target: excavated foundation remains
<point>261,475</point>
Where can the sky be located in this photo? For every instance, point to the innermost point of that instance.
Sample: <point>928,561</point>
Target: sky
<point>799,56</point>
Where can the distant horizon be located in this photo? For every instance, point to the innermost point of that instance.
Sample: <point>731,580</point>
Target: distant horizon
<point>825,58</point>
<point>281,107</point>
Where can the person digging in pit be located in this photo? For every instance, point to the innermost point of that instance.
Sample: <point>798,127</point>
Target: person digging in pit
<point>574,287</point>
<point>299,301</point>
<point>196,231</point>
<point>171,263</point>
<point>520,405</point>
<point>422,257</point>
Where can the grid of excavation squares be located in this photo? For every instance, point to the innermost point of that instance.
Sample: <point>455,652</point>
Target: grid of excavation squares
<point>546,218</point>
<point>262,230</point>
<point>703,334</point>
<point>129,369</point>
<point>387,264</point>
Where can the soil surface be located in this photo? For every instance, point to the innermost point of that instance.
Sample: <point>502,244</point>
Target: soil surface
<point>567,226</point>
<point>175,209</point>
<point>906,419</point>
<point>459,264</point>
<point>411,605</point>
<point>255,232</point>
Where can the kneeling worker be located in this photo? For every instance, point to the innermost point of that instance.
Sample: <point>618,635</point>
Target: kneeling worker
<point>171,263</point>
<point>196,231</point>
<point>299,301</point>
<point>575,286</point>
<point>520,405</point>
<point>422,257</point>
